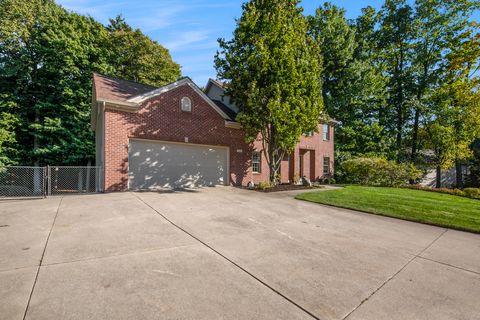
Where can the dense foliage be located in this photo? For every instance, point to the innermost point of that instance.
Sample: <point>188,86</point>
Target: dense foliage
<point>273,73</point>
<point>378,172</point>
<point>402,81</point>
<point>47,56</point>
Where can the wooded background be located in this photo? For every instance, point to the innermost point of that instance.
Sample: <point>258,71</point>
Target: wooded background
<point>403,81</point>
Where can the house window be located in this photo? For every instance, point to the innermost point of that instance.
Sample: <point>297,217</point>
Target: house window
<point>256,162</point>
<point>326,165</point>
<point>308,134</point>
<point>186,104</point>
<point>326,132</point>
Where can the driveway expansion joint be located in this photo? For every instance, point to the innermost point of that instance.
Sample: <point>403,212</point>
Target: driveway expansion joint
<point>395,274</point>
<point>449,265</point>
<point>311,314</point>
<point>118,255</point>
<point>41,258</point>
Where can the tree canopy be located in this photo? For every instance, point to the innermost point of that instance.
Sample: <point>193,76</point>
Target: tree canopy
<point>273,73</point>
<point>47,56</point>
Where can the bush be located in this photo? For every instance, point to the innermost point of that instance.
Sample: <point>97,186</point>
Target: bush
<point>378,172</point>
<point>327,181</point>
<point>472,192</point>
<point>263,185</point>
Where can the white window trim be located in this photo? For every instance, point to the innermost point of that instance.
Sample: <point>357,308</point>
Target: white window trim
<point>328,166</point>
<point>182,101</point>
<point>259,162</point>
<point>326,135</point>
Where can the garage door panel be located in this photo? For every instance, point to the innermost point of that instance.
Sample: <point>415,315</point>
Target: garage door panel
<point>155,165</point>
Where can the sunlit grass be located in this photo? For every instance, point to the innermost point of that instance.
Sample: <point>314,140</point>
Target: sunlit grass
<point>422,206</point>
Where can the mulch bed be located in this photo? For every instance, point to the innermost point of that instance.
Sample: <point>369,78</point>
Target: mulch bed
<point>285,187</point>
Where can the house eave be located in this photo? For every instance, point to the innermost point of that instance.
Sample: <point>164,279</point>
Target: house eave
<point>120,105</point>
<point>232,124</point>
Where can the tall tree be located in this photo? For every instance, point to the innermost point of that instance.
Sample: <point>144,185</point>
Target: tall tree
<point>395,42</point>
<point>462,94</point>
<point>437,23</point>
<point>47,56</point>
<point>474,176</point>
<point>273,73</point>
<point>136,57</point>
<point>353,86</point>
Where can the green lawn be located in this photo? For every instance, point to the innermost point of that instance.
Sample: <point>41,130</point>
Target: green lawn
<point>421,206</point>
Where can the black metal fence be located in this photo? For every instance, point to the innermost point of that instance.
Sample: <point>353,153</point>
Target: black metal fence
<point>34,182</point>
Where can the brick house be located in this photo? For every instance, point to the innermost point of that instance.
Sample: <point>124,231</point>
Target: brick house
<point>180,136</point>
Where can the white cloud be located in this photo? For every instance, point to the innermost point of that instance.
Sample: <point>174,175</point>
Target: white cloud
<point>186,39</point>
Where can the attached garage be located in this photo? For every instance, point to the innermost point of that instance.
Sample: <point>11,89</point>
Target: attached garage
<point>157,164</point>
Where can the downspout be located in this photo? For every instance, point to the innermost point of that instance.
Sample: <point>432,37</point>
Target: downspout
<point>102,182</point>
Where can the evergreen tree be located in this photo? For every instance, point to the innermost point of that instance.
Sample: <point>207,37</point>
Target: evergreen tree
<point>47,56</point>
<point>353,86</point>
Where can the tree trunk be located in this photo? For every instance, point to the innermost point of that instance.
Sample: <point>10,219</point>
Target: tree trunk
<point>399,132</point>
<point>413,156</point>
<point>274,169</point>
<point>438,180</point>
<point>458,174</point>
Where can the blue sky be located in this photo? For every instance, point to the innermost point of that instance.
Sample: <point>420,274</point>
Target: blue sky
<point>188,28</point>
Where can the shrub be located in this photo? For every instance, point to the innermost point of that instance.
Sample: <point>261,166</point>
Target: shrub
<point>378,172</point>
<point>263,185</point>
<point>327,181</point>
<point>472,192</point>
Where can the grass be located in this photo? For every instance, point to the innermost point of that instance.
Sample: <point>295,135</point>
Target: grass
<point>415,205</point>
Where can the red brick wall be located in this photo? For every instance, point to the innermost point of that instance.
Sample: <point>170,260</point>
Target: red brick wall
<point>161,118</point>
<point>315,144</point>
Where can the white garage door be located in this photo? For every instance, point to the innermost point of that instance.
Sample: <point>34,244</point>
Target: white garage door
<point>155,165</point>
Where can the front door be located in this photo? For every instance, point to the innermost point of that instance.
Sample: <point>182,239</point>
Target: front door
<point>301,164</point>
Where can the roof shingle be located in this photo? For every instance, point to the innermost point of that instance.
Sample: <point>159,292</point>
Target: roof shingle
<point>109,88</point>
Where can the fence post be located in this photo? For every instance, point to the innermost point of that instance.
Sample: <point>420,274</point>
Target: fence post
<point>49,179</point>
<point>45,182</point>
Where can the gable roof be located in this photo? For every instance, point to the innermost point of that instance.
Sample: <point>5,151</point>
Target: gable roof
<point>129,94</point>
<point>229,112</point>
<point>217,83</point>
<point>115,89</point>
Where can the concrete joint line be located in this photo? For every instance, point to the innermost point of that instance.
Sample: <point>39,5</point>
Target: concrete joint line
<point>311,314</point>
<point>41,258</point>
<point>117,255</point>
<point>395,274</point>
<point>449,265</point>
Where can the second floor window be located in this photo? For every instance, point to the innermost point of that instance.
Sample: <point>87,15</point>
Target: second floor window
<point>326,132</point>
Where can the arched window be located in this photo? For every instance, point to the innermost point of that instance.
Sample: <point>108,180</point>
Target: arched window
<point>186,104</point>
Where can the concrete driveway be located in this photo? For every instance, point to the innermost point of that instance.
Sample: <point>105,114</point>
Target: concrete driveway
<point>224,253</point>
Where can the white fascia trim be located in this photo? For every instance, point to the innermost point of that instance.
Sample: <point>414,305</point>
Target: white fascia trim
<point>232,124</point>
<point>119,103</point>
<point>185,81</point>
<point>145,96</point>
